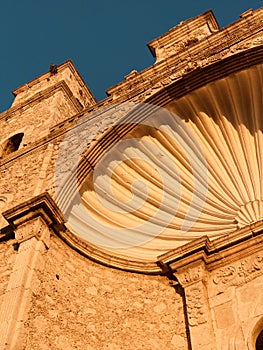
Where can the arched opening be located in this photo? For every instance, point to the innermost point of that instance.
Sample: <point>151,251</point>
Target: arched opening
<point>259,341</point>
<point>11,145</point>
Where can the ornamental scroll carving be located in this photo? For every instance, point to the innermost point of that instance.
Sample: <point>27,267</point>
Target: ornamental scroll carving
<point>196,308</point>
<point>192,280</point>
<point>191,275</point>
<point>240,272</point>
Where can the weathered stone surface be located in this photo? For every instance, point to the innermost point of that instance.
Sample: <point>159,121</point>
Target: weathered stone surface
<point>53,297</point>
<point>101,308</point>
<point>7,260</point>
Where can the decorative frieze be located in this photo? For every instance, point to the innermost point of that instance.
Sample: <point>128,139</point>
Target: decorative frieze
<point>239,272</point>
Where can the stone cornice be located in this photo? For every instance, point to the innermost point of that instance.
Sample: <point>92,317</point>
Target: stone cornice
<point>181,32</point>
<point>40,206</point>
<point>182,62</point>
<point>61,86</point>
<point>44,207</point>
<point>45,76</point>
<point>215,253</point>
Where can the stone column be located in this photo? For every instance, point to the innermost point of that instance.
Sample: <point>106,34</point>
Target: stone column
<point>31,222</point>
<point>193,279</point>
<point>222,282</point>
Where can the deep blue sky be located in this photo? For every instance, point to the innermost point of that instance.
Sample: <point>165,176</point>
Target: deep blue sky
<point>105,39</point>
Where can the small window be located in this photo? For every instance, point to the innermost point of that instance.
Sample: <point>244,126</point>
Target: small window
<point>11,145</point>
<point>259,342</point>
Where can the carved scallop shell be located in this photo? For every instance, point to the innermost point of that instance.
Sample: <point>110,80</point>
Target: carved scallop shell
<point>195,170</point>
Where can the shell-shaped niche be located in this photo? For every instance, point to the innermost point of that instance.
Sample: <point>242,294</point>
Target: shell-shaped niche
<point>194,169</point>
<point>226,117</point>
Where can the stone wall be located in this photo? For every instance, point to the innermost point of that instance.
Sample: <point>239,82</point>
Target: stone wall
<point>236,301</point>
<point>65,72</point>
<point>83,305</point>
<point>20,178</point>
<point>44,102</point>
<point>52,297</point>
<point>7,254</point>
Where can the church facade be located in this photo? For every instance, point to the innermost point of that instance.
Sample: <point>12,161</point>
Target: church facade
<point>136,222</point>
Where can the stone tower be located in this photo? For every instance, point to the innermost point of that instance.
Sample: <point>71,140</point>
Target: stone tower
<point>136,222</point>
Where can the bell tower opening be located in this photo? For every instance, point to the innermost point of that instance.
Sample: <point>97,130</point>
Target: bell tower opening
<point>11,145</point>
<point>259,341</point>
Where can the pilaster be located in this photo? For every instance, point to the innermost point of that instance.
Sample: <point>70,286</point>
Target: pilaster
<point>33,223</point>
<point>193,279</point>
<point>222,283</point>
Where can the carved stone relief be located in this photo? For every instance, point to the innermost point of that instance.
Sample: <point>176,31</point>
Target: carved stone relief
<point>239,272</point>
<point>196,308</point>
<point>191,275</point>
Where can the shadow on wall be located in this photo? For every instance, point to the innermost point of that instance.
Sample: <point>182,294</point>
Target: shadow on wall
<point>10,145</point>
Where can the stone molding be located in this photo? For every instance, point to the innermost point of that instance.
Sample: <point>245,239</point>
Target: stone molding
<point>206,270</point>
<point>47,76</point>
<point>197,55</point>
<point>103,257</point>
<point>239,273</point>
<point>44,207</point>
<point>231,247</point>
<point>40,206</point>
